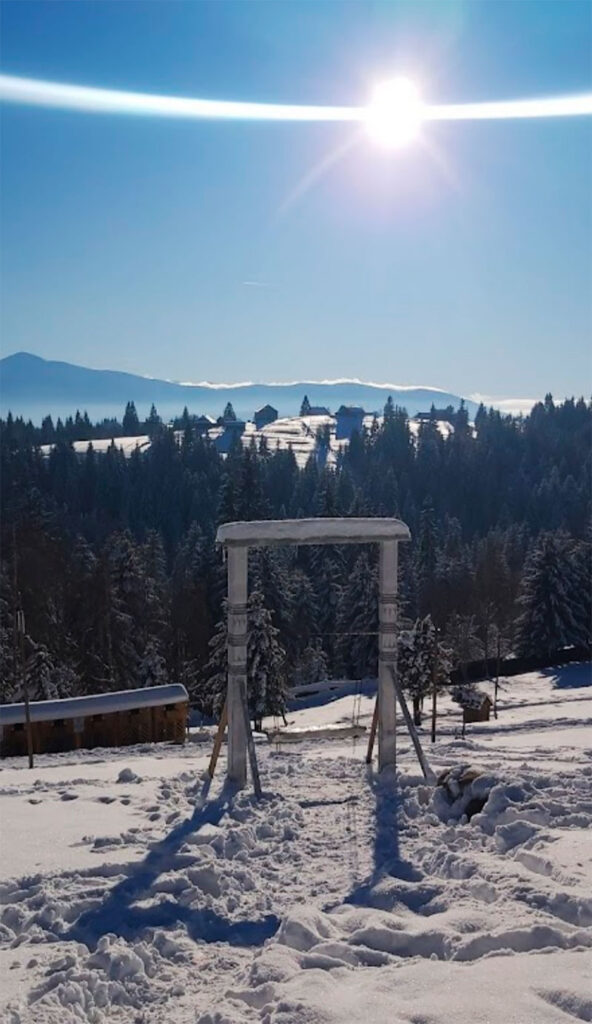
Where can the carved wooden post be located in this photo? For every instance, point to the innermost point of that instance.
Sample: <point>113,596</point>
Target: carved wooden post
<point>237,662</point>
<point>387,655</point>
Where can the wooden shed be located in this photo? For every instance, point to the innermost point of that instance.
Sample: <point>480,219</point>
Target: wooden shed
<point>148,715</point>
<point>478,712</point>
<point>264,416</point>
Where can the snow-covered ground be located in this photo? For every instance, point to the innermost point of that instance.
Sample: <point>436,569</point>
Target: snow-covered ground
<point>296,432</point>
<point>129,894</point>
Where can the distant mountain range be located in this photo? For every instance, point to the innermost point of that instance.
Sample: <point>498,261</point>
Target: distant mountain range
<point>33,387</point>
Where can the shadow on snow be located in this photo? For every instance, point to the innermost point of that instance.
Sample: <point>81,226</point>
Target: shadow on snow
<point>394,879</point>
<point>118,914</point>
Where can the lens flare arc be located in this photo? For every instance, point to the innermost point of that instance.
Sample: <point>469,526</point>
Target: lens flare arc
<point>63,96</point>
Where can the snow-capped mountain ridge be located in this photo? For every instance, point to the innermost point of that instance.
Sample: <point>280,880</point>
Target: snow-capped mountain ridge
<point>34,387</point>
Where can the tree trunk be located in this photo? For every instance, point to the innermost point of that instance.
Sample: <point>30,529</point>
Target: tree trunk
<point>417,710</point>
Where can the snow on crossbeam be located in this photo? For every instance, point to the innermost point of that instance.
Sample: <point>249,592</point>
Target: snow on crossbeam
<point>312,531</point>
<point>95,704</point>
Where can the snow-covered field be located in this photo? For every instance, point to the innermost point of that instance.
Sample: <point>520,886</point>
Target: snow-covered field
<point>295,432</point>
<point>128,894</point>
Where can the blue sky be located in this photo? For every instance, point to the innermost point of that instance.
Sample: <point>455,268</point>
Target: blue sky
<point>189,250</point>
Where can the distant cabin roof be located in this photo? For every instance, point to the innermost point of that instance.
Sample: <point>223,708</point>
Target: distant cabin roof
<point>271,532</point>
<point>205,419</point>
<point>95,704</point>
<point>266,408</point>
<point>233,424</point>
<point>318,410</point>
<point>350,410</point>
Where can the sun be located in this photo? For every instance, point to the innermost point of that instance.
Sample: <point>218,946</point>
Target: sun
<point>395,113</point>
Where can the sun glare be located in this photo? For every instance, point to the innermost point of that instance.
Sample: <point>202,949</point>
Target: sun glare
<point>395,113</point>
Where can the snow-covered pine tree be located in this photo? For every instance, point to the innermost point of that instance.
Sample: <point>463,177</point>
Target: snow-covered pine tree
<point>416,661</point>
<point>304,614</point>
<point>121,606</point>
<point>45,679</point>
<point>550,608</point>
<point>357,621</point>
<point>581,582</point>
<point>215,671</point>
<point>228,502</point>
<point>325,570</point>
<point>192,602</point>
<point>8,655</point>
<point>311,666</point>
<point>266,680</point>
<point>426,555</point>
<point>269,573</point>
<point>462,641</point>
<point>266,686</point>
<point>152,670</point>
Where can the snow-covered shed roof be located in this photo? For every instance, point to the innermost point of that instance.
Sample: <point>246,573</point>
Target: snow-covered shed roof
<point>95,704</point>
<point>270,532</point>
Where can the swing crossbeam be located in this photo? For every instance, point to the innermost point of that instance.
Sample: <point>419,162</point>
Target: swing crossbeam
<point>236,539</point>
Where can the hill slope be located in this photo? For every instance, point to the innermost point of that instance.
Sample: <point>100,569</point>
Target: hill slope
<point>33,387</point>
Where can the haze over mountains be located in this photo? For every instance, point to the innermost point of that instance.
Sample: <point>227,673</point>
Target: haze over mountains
<point>33,387</point>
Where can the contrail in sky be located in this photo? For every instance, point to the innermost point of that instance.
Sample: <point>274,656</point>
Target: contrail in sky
<point>35,92</point>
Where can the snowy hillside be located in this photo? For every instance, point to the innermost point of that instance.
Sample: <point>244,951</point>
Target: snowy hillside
<point>296,432</point>
<point>339,898</point>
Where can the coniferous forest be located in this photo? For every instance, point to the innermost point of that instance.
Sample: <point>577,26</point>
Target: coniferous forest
<point>113,563</point>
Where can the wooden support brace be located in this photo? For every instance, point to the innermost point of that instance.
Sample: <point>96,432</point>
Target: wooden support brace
<point>372,737</point>
<point>428,774</point>
<point>218,740</point>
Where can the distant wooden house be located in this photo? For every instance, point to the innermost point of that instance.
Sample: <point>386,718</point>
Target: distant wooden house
<point>264,416</point>
<point>231,432</point>
<point>349,418</point>
<point>203,424</point>
<point>149,715</point>
<point>479,710</point>
<point>446,415</point>
<point>317,410</point>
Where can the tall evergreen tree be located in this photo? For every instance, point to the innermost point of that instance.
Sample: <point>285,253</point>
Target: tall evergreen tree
<point>266,683</point>
<point>357,621</point>
<point>550,612</point>
<point>131,422</point>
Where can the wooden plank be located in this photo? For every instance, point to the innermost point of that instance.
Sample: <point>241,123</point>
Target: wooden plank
<point>428,774</point>
<point>372,737</point>
<point>218,740</point>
